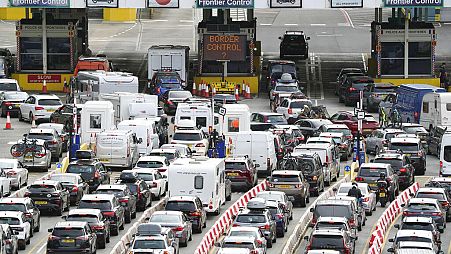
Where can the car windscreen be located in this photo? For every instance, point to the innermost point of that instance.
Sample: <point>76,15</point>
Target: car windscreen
<point>80,169</point>
<point>300,104</point>
<point>146,176</point>
<point>434,195</point>
<point>251,218</point>
<point>183,206</point>
<point>285,178</point>
<point>327,242</point>
<point>384,89</point>
<point>170,85</point>
<point>371,172</point>
<point>186,136</point>
<point>244,245</point>
<point>149,164</point>
<point>165,218</point>
<point>9,220</point>
<point>6,164</point>
<point>102,205</point>
<point>396,164</point>
<point>235,165</point>
<point>294,39</point>
<point>12,207</point>
<point>64,179</point>
<point>412,238</point>
<point>43,136</point>
<point>68,232</point>
<point>179,94</point>
<point>275,119</point>
<point>90,218</point>
<point>344,131</point>
<point>417,226</point>
<point>115,192</point>
<point>49,102</point>
<point>331,210</point>
<point>404,146</point>
<point>149,244</point>
<point>286,88</point>
<point>42,188</point>
<point>16,96</point>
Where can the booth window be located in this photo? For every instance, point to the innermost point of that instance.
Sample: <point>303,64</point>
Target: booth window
<point>233,124</point>
<point>198,182</point>
<point>448,106</point>
<point>95,121</point>
<point>425,107</point>
<point>58,54</point>
<point>30,53</point>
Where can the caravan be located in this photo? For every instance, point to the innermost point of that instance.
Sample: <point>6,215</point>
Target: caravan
<point>236,119</point>
<point>117,148</point>
<point>130,105</point>
<point>200,113</point>
<point>96,116</point>
<point>202,177</point>
<point>145,133</point>
<point>436,110</point>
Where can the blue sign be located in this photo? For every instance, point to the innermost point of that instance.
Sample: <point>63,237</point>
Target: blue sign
<point>224,4</point>
<point>413,3</point>
<point>40,3</point>
<point>347,168</point>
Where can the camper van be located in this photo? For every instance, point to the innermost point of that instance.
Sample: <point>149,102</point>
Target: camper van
<point>199,113</point>
<point>92,83</point>
<point>445,155</point>
<point>436,110</point>
<point>117,148</point>
<point>259,146</point>
<point>330,158</point>
<point>145,133</point>
<point>130,105</point>
<point>96,116</point>
<point>202,177</point>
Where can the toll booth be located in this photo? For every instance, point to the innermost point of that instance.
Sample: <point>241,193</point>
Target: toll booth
<point>389,61</point>
<point>228,50</point>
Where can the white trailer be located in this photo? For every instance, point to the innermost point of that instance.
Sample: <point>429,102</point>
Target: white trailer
<point>200,113</point>
<point>169,57</point>
<point>202,177</point>
<point>130,105</point>
<point>235,112</point>
<point>436,110</point>
<point>96,117</point>
<point>145,133</point>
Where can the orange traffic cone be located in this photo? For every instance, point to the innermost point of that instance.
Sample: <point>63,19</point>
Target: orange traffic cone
<point>243,89</point>
<point>65,88</point>
<point>33,122</point>
<point>203,94</point>
<point>237,94</point>
<point>44,87</point>
<point>194,89</point>
<point>213,91</point>
<point>8,122</point>
<point>248,92</point>
<point>207,92</point>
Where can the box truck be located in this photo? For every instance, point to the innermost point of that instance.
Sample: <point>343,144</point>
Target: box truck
<point>169,57</point>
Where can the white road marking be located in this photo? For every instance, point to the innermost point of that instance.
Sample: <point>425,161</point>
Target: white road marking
<point>123,32</point>
<point>291,24</point>
<point>317,24</point>
<point>343,24</point>
<point>158,20</point>
<point>329,35</point>
<point>185,25</point>
<point>347,17</point>
<point>364,61</point>
<point>42,247</point>
<point>264,24</point>
<point>185,21</point>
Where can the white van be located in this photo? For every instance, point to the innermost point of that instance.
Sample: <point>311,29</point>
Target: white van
<point>202,177</point>
<point>145,133</point>
<point>259,146</point>
<point>445,155</point>
<point>436,110</point>
<point>117,148</point>
<point>96,116</point>
<point>200,113</point>
<point>329,157</point>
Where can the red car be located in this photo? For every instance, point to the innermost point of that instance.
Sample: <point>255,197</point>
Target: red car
<point>369,124</point>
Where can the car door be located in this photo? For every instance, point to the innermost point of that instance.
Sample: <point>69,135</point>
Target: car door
<point>31,208</point>
<point>371,140</point>
<point>283,108</point>
<point>64,193</point>
<point>25,107</point>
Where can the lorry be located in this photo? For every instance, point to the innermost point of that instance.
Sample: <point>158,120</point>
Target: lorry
<point>93,64</point>
<point>130,105</point>
<point>96,117</point>
<point>169,57</point>
<point>90,84</point>
<point>200,176</point>
<point>435,110</point>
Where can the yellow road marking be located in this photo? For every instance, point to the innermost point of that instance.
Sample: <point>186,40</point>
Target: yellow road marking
<point>39,244</point>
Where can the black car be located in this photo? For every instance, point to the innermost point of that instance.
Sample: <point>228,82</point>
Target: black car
<point>413,148</point>
<point>96,221</point>
<point>49,195</point>
<point>276,68</point>
<point>349,91</point>
<point>125,197</point>
<point>342,78</point>
<point>312,168</point>
<point>171,98</point>
<point>311,127</point>
<point>192,207</point>
<point>138,187</point>
<point>402,166</point>
<point>64,115</point>
<point>91,170</point>
<point>10,101</point>
<point>294,43</point>
<point>74,184</point>
<point>71,236</point>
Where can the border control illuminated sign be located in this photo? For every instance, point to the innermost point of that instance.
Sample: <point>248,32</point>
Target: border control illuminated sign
<point>40,3</point>
<point>413,3</point>
<point>224,47</point>
<point>224,4</point>
<point>346,3</point>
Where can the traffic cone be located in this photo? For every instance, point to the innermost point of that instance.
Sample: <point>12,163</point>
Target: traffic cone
<point>194,89</point>
<point>237,94</point>
<point>203,91</point>
<point>243,89</point>
<point>207,92</point>
<point>213,91</point>
<point>33,122</point>
<point>44,87</point>
<point>65,90</point>
<point>8,122</point>
<point>248,92</point>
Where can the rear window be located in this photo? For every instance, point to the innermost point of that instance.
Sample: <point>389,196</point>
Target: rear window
<point>327,242</point>
<point>294,38</point>
<point>80,169</point>
<point>331,224</point>
<point>395,163</point>
<point>117,193</point>
<point>149,244</point>
<point>12,207</point>
<point>165,218</point>
<point>83,217</point>
<point>183,206</point>
<point>333,211</point>
<point>405,147</point>
<point>422,206</point>
<point>285,178</point>
<point>168,156</point>
<point>9,221</point>
<point>243,233</point>
<point>187,136</point>
<point>49,102</point>
<point>68,232</point>
<point>114,141</point>
<point>371,172</point>
<point>434,195</point>
<point>235,166</point>
<point>270,196</point>
<point>146,176</point>
<point>286,88</point>
<point>359,86</point>
<point>447,153</point>
<point>344,131</point>
<point>245,245</point>
<point>251,218</point>
<point>300,104</point>
<point>42,188</point>
<point>275,119</point>
<point>102,205</point>
<point>8,87</point>
<point>149,164</point>
<point>385,89</point>
<point>412,239</point>
<point>44,136</point>
<point>179,94</point>
<point>417,226</point>
<point>64,179</point>
<point>16,96</point>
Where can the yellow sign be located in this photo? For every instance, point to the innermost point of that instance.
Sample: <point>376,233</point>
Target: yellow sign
<point>224,87</point>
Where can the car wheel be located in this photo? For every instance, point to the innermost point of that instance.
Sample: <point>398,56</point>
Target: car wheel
<point>31,230</point>
<point>190,235</point>
<point>115,231</point>
<point>60,210</point>
<point>302,202</point>
<point>22,245</point>
<point>122,224</point>
<point>20,116</point>
<point>128,218</point>
<point>108,238</point>
<point>133,216</point>
<point>38,227</point>
<point>376,150</point>
<point>269,244</point>
<point>30,118</point>
<point>102,245</point>
<point>28,240</point>
<point>2,113</point>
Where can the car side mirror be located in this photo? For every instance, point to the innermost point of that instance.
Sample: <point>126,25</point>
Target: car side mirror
<point>396,226</point>
<point>140,140</point>
<point>403,205</point>
<point>334,189</point>
<point>391,250</point>
<point>173,120</point>
<point>391,240</point>
<point>233,217</point>
<point>308,38</point>
<point>280,37</point>
<point>412,195</point>
<point>50,230</point>
<point>372,160</point>
<point>290,198</point>
<point>174,244</point>
<point>218,244</point>
<point>257,165</point>
<point>164,176</point>
<point>306,237</point>
<point>312,210</point>
<point>64,217</point>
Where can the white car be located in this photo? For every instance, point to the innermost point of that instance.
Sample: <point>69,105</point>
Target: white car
<point>15,171</point>
<point>39,107</point>
<point>194,139</point>
<point>291,109</point>
<point>170,154</point>
<point>234,251</point>
<point>184,150</point>
<point>369,196</point>
<point>252,232</point>
<point>155,180</point>
<point>18,223</point>
<point>160,163</point>
<point>321,140</point>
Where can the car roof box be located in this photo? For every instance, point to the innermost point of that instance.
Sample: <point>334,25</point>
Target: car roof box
<point>256,204</point>
<point>84,155</point>
<point>149,229</point>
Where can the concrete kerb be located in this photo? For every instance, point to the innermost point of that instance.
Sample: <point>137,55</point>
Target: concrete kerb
<point>298,233</point>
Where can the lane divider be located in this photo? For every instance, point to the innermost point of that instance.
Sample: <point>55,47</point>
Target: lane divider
<point>225,221</point>
<point>301,227</point>
<point>388,216</point>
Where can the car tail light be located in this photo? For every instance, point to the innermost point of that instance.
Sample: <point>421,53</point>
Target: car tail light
<point>75,189</point>
<point>265,227</point>
<point>352,89</point>
<point>327,158</point>
<point>359,179</point>
<point>271,185</point>
<point>38,108</point>
<point>28,215</point>
<point>384,142</point>
<point>7,103</point>
<point>52,237</point>
<point>253,252</point>
<point>366,199</point>
<point>96,175</point>
<point>314,220</point>
<point>416,115</point>
<point>280,216</point>
<point>268,163</point>
<point>445,203</point>
<point>388,179</point>
<point>124,200</point>
<point>200,145</point>
<point>290,111</point>
<point>403,170</point>
<point>407,213</point>
<point>436,214</point>
<point>260,242</point>
<point>158,90</point>
<point>351,222</point>
<point>27,194</point>
<point>8,241</point>
<point>162,170</point>
<point>210,205</point>
<point>153,185</point>
<point>178,228</point>
<point>139,192</point>
<point>196,214</point>
<point>170,102</point>
<point>298,186</point>
<point>347,250</point>
<point>53,142</point>
<point>109,214</point>
<point>420,153</point>
<point>235,225</point>
<point>11,173</point>
<point>273,94</point>
<point>97,227</point>
<point>441,165</point>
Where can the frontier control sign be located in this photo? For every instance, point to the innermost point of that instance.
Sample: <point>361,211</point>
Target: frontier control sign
<point>413,3</point>
<point>40,3</point>
<point>224,4</point>
<point>224,47</point>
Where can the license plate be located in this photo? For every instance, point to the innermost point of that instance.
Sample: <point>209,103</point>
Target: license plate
<point>41,202</point>
<point>382,195</point>
<point>367,130</point>
<point>105,160</point>
<point>17,105</point>
<point>284,186</point>
<point>373,184</point>
<point>68,240</point>
<point>28,157</point>
<point>50,110</point>
<point>232,174</point>
<point>408,154</point>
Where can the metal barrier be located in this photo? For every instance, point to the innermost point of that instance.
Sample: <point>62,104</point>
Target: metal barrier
<point>304,222</point>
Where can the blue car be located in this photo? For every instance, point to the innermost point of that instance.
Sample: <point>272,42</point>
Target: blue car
<point>163,81</point>
<point>279,216</point>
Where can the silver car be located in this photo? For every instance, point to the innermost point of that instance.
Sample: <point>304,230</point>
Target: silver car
<point>41,158</point>
<point>52,140</point>
<point>374,93</point>
<point>379,139</point>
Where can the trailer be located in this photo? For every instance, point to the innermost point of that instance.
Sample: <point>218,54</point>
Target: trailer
<point>169,57</point>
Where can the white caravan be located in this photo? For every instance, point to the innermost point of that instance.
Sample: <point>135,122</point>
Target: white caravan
<point>96,116</point>
<point>436,110</point>
<point>200,113</point>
